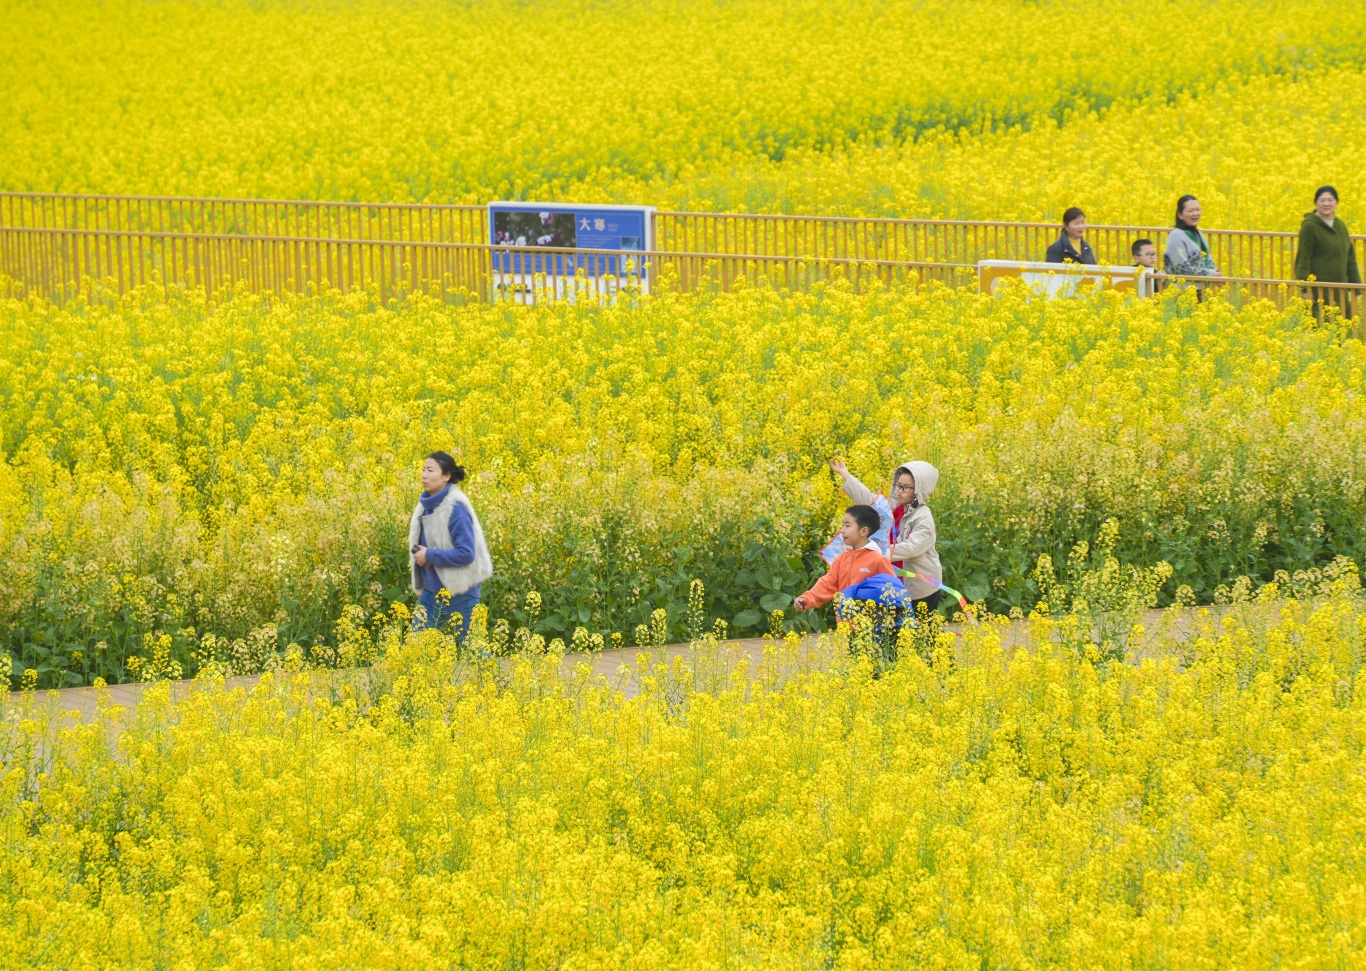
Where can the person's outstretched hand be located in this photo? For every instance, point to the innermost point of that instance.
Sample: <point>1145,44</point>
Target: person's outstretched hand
<point>840,468</point>
<point>800,604</point>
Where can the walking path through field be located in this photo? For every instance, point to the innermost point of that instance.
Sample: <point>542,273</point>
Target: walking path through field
<point>1178,621</point>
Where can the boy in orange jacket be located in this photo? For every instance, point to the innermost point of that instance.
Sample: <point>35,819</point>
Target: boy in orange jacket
<point>861,572</point>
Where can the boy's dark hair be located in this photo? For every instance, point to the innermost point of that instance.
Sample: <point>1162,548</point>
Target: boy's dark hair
<point>865,517</point>
<point>1139,244</point>
<point>447,466</point>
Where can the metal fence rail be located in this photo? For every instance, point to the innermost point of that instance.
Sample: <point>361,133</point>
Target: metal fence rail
<point>1244,253</point>
<point>57,245</point>
<point>60,263</point>
<point>1346,296</point>
<point>1248,253</point>
<point>246,217</point>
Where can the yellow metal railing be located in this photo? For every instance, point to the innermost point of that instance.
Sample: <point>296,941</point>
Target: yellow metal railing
<point>51,243</point>
<point>59,263</point>
<point>1245,253</point>
<point>246,217</point>
<point>1252,253</point>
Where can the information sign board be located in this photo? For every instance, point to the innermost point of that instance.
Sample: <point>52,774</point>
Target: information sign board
<point>524,227</point>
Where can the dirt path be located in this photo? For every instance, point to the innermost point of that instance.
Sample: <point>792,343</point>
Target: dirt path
<point>1157,623</point>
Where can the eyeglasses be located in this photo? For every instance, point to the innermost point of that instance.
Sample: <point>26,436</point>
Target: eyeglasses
<point>903,487</point>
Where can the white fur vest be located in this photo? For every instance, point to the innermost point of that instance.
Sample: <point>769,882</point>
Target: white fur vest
<point>435,529</point>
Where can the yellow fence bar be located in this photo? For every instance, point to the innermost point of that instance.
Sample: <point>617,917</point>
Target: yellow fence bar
<point>59,263</point>
<point>1244,253</point>
<point>1349,298</point>
<point>57,244</point>
<point>249,217</point>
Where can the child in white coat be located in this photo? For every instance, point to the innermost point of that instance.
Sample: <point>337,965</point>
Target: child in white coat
<point>911,546</point>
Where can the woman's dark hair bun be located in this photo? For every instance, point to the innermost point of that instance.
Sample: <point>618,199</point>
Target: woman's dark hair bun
<point>448,466</point>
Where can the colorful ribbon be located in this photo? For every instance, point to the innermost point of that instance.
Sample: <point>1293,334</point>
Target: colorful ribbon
<point>907,574</point>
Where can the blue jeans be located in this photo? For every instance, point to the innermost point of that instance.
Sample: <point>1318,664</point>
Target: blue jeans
<point>439,616</point>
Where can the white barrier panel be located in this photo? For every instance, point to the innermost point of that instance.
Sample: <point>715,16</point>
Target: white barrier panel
<point>1064,279</point>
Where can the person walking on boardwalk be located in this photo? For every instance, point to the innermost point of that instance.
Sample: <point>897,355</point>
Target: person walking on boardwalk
<point>447,552</point>
<point>1071,245</point>
<point>1326,253</point>
<point>1188,252</point>
<point>911,545</point>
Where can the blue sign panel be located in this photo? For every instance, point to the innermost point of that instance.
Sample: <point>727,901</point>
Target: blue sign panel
<point>537,225</point>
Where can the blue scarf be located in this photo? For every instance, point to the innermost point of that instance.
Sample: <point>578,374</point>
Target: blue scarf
<point>429,503</point>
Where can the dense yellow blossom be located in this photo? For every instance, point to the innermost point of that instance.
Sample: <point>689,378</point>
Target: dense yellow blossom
<point>1253,151</point>
<point>1202,805</point>
<point>197,484</point>
<point>860,107</point>
<point>242,471</point>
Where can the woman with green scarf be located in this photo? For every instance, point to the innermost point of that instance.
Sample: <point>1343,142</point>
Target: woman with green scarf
<point>1187,252</point>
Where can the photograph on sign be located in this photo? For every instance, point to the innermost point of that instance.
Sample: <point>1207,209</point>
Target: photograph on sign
<point>594,234</point>
<point>534,229</point>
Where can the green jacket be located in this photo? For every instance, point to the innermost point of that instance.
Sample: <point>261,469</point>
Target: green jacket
<point>1326,253</point>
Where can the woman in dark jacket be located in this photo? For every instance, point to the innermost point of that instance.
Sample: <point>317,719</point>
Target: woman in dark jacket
<point>1071,246</point>
<point>1326,252</point>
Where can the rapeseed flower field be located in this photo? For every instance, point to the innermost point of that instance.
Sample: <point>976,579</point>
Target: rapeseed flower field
<point>182,471</point>
<point>210,485</point>
<point>980,804</point>
<point>989,109</point>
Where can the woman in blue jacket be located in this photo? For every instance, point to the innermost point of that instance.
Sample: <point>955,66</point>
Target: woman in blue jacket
<point>447,552</point>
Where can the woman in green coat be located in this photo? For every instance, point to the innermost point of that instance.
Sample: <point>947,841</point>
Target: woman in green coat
<point>1326,252</point>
